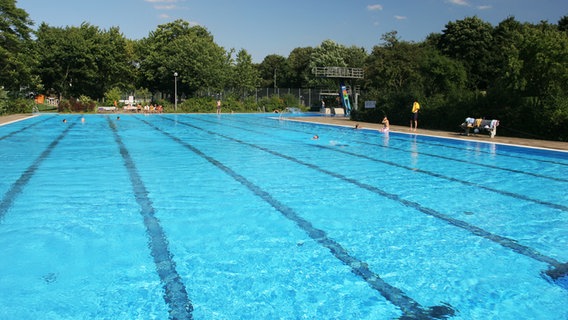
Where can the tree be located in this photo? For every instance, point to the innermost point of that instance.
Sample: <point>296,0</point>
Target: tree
<point>83,60</point>
<point>245,75</point>
<point>327,54</point>
<point>273,71</point>
<point>563,24</point>
<point>394,68</point>
<point>16,58</point>
<point>355,57</point>
<point>63,58</point>
<point>189,51</point>
<point>299,61</point>
<point>440,75</point>
<point>469,40</point>
<point>114,62</point>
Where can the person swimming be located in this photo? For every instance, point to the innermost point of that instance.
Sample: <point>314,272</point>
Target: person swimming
<point>386,125</point>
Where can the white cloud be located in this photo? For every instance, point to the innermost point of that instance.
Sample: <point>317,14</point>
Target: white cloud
<point>164,16</point>
<point>374,7</point>
<point>459,2</point>
<point>165,7</point>
<point>161,1</point>
<point>400,17</point>
<point>484,7</point>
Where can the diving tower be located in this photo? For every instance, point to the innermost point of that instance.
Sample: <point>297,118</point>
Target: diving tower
<point>342,74</point>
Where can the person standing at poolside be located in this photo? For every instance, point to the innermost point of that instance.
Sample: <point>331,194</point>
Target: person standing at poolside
<point>414,115</point>
<point>219,106</point>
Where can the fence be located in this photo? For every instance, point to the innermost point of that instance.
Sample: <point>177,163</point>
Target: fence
<point>307,97</point>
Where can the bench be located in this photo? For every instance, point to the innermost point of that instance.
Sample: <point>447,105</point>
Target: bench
<point>339,111</point>
<point>480,125</point>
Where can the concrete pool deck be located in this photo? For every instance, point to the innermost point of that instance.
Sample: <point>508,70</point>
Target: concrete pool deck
<point>343,121</point>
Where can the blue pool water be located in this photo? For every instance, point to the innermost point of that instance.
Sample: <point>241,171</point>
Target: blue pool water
<point>247,217</point>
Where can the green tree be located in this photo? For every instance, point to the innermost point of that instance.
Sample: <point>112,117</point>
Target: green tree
<point>394,67</point>
<point>114,62</point>
<point>273,71</point>
<point>189,51</point>
<point>327,54</point>
<point>113,94</point>
<point>300,73</point>
<point>16,58</point>
<point>539,73</point>
<point>469,40</point>
<point>563,24</point>
<point>75,61</point>
<point>245,75</point>
<point>441,75</point>
<point>354,57</point>
<point>63,57</point>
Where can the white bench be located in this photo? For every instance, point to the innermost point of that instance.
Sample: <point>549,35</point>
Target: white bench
<point>106,109</point>
<point>339,111</point>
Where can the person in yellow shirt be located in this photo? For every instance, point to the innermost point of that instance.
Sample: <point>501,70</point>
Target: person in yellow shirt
<point>414,115</point>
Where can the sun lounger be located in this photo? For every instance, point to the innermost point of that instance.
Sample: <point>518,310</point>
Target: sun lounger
<point>106,109</point>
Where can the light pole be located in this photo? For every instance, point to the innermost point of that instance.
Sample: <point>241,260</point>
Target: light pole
<point>175,91</point>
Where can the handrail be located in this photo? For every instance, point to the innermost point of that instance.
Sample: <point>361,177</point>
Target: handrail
<point>338,72</point>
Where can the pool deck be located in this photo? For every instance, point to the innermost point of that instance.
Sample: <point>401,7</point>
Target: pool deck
<point>342,121</point>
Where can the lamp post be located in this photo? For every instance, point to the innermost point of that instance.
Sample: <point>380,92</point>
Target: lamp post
<point>175,91</point>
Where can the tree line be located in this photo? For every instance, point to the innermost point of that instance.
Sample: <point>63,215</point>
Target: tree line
<point>515,72</point>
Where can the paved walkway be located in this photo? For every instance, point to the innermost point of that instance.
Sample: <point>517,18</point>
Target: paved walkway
<point>13,118</point>
<point>341,121</point>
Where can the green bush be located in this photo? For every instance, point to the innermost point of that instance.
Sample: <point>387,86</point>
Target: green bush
<point>19,105</point>
<point>83,104</point>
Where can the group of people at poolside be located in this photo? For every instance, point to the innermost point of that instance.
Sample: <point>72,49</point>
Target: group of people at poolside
<point>149,108</point>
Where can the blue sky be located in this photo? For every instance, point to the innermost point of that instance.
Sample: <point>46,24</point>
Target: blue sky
<point>264,27</point>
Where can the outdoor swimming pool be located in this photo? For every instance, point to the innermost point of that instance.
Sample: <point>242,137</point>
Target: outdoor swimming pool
<point>247,217</point>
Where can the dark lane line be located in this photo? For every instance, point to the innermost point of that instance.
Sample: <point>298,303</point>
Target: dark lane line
<point>175,294</point>
<point>24,128</point>
<point>430,173</point>
<point>443,157</point>
<point>536,175</point>
<point>19,185</point>
<point>410,308</point>
<point>558,269</point>
<point>468,148</point>
<point>438,175</point>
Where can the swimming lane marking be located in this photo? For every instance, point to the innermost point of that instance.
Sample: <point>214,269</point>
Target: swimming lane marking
<point>439,156</point>
<point>441,176</point>
<point>558,269</point>
<point>175,294</point>
<point>409,307</point>
<point>18,186</point>
<point>24,128</point>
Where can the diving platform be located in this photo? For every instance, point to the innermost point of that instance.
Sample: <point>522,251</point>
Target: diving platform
<point>338,72</point>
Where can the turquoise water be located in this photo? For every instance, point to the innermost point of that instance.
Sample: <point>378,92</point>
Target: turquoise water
<point>247,217</point>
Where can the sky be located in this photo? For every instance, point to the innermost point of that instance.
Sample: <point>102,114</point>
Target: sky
<point>265,27</point>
